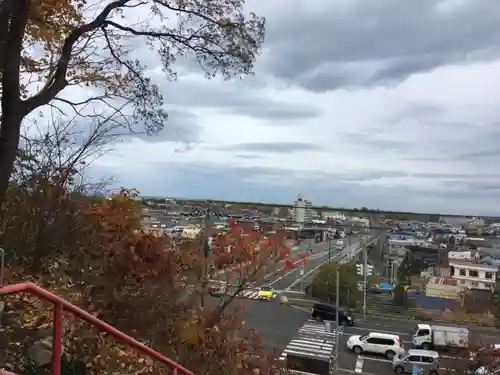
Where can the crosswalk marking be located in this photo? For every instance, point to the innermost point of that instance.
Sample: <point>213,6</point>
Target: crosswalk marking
<point>359,364</point>
<point>252,294</point>
<point>312,341</point>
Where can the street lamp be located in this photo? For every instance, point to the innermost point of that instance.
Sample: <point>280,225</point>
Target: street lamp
<point>207,214</point>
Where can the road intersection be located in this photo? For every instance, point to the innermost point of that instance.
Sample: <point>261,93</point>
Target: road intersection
<point>279,325</point>
<point>310,338</point>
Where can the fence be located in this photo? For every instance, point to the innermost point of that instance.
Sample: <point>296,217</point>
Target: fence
<point>375,306</point>
<point>61,305</point>
<point>388,310</point>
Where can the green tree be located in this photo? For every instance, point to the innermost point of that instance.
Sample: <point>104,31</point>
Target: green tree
<point>324,285</point>
<point>400,296</point>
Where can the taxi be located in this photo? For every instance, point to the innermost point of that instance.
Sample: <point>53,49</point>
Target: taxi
<point>266,293</point>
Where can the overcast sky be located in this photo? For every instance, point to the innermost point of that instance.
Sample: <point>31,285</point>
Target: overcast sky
<point>386,104</point>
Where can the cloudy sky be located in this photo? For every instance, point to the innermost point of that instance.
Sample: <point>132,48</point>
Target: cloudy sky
<point>386,104</point>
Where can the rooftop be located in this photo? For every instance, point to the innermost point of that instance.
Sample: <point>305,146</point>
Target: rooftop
<point>472,264</point>
<point>443,281</point>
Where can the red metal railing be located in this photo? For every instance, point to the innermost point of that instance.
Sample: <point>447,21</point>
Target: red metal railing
<point>59,306</point>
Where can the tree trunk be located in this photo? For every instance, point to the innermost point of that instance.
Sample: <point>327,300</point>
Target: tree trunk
<point>13,112</point>
<point>10,131</point>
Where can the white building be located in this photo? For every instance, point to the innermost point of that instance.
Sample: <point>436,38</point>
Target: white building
<point>335,215</point>
<point>362,221</point>
<point>464,255</point>
<point>473,275</point>
<point>302,210</point>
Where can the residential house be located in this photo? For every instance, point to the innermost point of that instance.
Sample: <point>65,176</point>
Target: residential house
<point>473,275</point>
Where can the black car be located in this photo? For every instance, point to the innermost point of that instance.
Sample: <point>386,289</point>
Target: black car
<point>324,311</point>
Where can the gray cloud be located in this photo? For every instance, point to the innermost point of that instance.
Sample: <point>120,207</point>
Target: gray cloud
<point>279,147</point>
<point>237,98</point>
<point>247,156</point>
<point>418,111</point>
<point>378,42</point>
<point>182,126</point>
<point>370,176</point>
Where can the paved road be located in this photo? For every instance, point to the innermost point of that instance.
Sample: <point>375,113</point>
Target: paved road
<point>382,366</point>
<point>275,323</point>
<point>319,256</point>
<point>371,364</point>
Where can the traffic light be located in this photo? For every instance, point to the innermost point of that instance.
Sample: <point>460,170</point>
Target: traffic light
<point>360,269</point>
<point>369,270</point>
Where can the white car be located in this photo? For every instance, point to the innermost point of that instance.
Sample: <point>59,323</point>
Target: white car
<point>376,343</point>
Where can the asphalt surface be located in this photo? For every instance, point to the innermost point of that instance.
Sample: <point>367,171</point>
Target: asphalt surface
<point>292,280</point>
<point>276,324</point>
<point>381,366</point>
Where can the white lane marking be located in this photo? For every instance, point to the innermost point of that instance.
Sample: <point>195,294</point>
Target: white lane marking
<point>314,256</point>
<point>339,255</point>
<point>375,359</point>
<point>251,294</point>
<point>281,277</point>
<point>359,365</point>
<point>298,280</point>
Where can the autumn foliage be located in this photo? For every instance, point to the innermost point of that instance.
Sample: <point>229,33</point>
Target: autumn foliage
<point>100,259</point>
<point>238,247</point>
<point>89,250</point>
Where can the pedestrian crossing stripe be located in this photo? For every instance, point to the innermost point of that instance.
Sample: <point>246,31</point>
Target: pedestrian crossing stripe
<point>313,328</point>
<point>312,341</point>
<point>252,294</point>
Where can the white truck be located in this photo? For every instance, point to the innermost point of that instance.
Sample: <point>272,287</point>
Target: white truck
<point>428,337</point>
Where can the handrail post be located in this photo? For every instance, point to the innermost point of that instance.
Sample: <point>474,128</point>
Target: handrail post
<point>57,340</point>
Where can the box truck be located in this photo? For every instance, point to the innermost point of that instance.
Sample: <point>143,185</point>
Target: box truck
<point>427,337</point>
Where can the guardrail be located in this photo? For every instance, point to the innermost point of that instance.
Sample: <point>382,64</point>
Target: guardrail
<point>61,305</point>
<point>394,312</point>
<point>443,316</point>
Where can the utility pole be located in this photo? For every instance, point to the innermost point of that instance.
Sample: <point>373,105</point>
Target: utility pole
<point>365,275</point>
<point>329,247</point>
<point>205,250</point>
<point>364,270</point>
<point>205,246</point>
<point>337,306</point>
